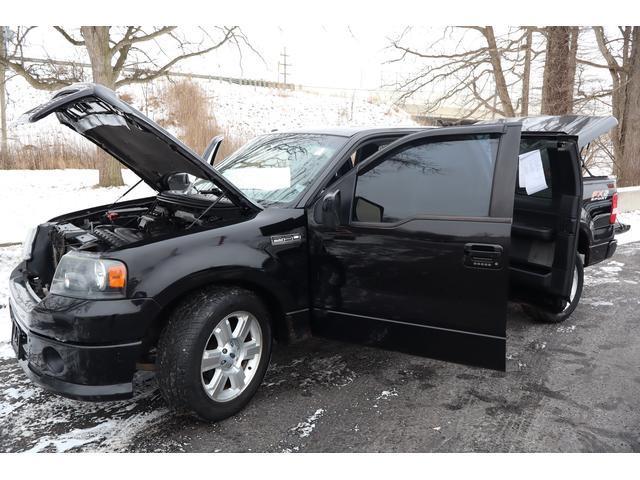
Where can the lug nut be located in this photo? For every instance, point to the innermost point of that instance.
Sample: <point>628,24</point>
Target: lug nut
<point>224,350</point>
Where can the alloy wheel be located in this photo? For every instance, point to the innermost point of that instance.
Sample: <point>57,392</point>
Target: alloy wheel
<point>231,356</point>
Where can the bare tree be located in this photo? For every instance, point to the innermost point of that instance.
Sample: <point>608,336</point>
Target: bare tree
<point>559,70</point>
<point>3,95</point>
<point>526,71</point>
<point>118,56</point>
<point>480,74</point>
<point>622,59</point>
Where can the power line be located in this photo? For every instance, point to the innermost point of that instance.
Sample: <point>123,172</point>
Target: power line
<point>284,64</point>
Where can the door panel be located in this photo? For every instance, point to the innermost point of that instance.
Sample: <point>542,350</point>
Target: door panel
<point>430,284</point>
<point>546,224</point>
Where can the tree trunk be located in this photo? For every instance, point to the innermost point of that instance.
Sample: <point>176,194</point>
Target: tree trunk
<point>526,73</point>
<point>99,50</point>
<point>3,102</point>
<point>629,159</point>
<point>498,73</point>
<point>559,70</point>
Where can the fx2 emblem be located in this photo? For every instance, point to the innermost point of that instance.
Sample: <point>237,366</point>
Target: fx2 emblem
<point>600,195</point>
<point>286,239</point>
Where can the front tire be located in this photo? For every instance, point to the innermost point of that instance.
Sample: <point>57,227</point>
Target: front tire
<point>548,315</point>
<point>214,352</point>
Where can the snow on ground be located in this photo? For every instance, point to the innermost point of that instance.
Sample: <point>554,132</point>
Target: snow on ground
<point>30,197</point>
<point>304,429</point>
<point>9,258</point>
<point>42,422</point>
<point>633,219</point>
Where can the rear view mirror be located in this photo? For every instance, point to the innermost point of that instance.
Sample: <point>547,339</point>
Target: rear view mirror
<point>178,181</point>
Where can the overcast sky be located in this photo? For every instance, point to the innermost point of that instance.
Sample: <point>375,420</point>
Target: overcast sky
<point>331,56</point>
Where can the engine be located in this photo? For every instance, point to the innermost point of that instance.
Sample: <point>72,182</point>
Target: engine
<point>119,227</point>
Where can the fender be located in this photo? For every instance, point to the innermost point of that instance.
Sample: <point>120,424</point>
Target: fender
<point>251,278</point>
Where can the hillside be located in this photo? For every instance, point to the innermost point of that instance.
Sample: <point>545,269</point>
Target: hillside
<point>241,110</point>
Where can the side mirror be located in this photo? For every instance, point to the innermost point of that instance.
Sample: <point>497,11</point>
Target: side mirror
<point>177,181</point>
<point>211,151</point>
<point>330,209</point>
<point>367,211</point>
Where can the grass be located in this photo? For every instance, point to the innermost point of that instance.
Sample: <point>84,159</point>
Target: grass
<point>188,111</point>
<point>41,155</point>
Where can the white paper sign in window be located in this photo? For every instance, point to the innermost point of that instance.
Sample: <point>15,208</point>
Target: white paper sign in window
<point>531,172</point>
<point>259,178</point>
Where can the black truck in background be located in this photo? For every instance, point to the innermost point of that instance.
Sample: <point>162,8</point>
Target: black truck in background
<point>411,239</point>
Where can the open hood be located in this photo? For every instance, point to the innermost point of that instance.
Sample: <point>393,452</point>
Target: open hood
<point>96,113</point>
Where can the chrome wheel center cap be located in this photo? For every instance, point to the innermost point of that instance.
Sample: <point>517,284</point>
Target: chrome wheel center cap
<point>229,355</point>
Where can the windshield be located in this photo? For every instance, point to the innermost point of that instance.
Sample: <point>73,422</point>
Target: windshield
<point>276,168</point>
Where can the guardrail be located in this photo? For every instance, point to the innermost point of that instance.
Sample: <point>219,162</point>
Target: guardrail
<point>628,199</point>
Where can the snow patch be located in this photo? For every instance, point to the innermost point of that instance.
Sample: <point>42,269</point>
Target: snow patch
<point>603,273</point>
<point>566,328</point>
<point>9,258</point>
<point>633,235</point>
<point>6,351</point>
<point>37,421</point>
<point>386,394</point>
<point>539,345</point>
<point>304,429</point>
<point>597,303</point>
<point>73,439</point>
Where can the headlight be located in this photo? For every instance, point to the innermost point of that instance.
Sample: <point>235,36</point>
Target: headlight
<point>27,246</point>
<point>85,275</point>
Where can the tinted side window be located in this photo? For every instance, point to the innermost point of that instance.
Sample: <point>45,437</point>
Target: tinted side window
<point>452,177</point>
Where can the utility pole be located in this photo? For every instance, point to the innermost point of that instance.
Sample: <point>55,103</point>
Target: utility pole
<point>284,64</point>
<point>3,93</point>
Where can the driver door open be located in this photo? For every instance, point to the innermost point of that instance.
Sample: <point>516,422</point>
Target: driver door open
<point>409,250</point>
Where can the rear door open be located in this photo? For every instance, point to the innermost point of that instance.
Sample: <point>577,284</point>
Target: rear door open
<point>546,223</point>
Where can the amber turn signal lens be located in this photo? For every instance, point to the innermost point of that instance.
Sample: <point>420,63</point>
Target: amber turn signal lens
<point>117,276</point>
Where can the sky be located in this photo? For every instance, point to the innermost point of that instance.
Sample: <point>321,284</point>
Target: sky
<point>325,56</point>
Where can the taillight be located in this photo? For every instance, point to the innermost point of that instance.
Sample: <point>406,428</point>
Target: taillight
<point>614,208</point>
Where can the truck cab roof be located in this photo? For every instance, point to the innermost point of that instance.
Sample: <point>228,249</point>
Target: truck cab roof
<point>587,128</point>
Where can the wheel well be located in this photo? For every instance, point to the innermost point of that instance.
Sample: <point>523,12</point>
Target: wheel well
<point>276,312</point>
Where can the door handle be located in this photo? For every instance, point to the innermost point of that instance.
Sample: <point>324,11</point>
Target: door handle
<point>483,255</point>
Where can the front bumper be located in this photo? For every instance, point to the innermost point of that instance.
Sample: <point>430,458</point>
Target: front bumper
<point>78,348</point>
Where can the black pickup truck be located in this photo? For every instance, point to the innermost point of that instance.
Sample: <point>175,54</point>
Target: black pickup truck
<point>406,238</point>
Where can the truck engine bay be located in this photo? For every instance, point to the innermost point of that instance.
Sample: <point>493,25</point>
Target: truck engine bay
<point>111,228</point>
